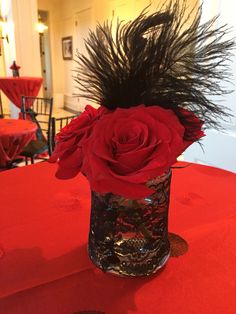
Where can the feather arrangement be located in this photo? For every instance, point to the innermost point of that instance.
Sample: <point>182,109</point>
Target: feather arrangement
<point>168,58</point>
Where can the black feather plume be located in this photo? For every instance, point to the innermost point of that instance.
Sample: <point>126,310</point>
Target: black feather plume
<point>167,59</point>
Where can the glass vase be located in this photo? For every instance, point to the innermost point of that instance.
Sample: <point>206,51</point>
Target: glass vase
<point>130,237</point>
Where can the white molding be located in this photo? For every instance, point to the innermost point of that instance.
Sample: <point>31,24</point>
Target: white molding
<point>72,102</point>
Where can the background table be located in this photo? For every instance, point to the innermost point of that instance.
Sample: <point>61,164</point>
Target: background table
<point>14,135</point>
<point>45,267</point>
<point>16,87</point>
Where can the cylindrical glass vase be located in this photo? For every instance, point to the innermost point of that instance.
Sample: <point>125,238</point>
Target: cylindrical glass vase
<point>130,237</point>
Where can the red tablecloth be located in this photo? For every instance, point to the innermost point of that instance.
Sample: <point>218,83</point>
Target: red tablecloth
<point>16,87</point>
<point>44,230</point>
<point>14,135</point>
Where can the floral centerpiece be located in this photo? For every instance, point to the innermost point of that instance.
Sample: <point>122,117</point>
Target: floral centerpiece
<point>120,150</point>
<point>152,82</point>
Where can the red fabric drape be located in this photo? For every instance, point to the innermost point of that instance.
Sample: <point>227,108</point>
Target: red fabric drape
<point>14,135</point>
<point>16,87</point>
<point>44,230</point>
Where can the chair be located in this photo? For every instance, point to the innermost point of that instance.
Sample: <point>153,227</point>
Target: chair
<point>1,109</point>
<point>58,124</point>
<point>38,110</point>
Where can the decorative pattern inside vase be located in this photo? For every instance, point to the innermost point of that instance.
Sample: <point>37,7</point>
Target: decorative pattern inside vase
<point>130,237</point>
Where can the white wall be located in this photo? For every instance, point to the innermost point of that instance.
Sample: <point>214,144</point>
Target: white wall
<point>23,43</point>
<point>220,147</point>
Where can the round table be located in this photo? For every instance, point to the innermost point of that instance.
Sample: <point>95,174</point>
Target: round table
<point>45,266</point>
<point>16,87</point>
<point>14,135</point>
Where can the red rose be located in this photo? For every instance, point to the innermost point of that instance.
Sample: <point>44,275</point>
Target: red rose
<point>69,141</point>
<point>193,126</point>
<point>130,146</point>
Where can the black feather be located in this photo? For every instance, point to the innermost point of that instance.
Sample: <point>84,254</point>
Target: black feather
<point>164,59</point>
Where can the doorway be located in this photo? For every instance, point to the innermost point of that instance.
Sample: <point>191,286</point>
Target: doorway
<point>45,53</point>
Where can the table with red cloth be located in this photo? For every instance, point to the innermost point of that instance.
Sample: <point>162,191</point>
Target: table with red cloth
<point>44,264</point>
<point>16,87</point>
<point>14,135</point>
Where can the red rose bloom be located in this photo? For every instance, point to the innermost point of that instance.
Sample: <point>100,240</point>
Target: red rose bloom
<point>193,126</point>
<point>131,146</point>
<point>69,141</point>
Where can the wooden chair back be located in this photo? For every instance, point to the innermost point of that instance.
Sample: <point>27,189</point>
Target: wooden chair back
<point>1,108</point>
<point>39,110</point>
<point>58,124</point>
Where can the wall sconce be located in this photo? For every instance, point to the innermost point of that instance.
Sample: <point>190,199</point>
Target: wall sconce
<point>41,27</point>
<point>2,25</point>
